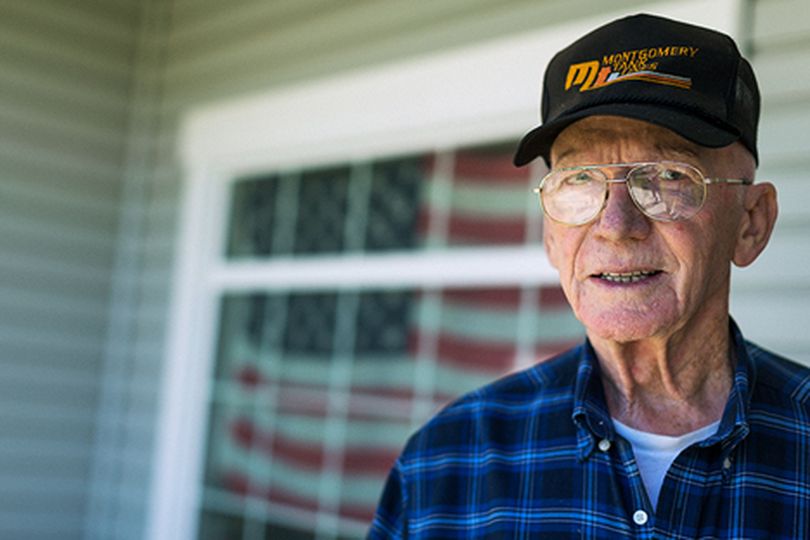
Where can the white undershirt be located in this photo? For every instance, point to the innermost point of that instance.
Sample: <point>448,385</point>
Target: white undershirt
<point>655,453</point>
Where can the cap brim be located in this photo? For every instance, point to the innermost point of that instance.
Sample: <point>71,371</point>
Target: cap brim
<point>701,131</point>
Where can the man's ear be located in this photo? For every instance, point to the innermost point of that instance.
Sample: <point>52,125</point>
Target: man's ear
<point>756,224</point>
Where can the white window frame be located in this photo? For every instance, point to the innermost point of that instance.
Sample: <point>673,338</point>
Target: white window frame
<point>477,94</point>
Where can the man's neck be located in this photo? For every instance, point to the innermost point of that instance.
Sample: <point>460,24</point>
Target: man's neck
<point>672,385</point>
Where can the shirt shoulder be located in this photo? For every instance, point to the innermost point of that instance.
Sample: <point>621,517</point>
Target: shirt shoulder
<point>484,438</point>
<point>778,380</point>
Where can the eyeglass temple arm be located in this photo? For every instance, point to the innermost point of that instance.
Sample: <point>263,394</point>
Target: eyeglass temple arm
<point>743,181</point>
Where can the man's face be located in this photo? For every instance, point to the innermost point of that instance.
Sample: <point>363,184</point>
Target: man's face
<point>685,264</point>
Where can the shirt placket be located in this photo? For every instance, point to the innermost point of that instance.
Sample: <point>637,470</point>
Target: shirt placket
<point>641,513</point>
<point>598,437</point>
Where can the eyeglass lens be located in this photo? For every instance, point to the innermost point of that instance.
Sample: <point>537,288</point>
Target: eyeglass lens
<point>662,191</point>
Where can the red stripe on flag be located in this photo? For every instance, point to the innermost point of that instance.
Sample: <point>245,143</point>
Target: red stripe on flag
<point>301,454</point>
<point>490,230</point>
<point>465,229</point>
<point>477,355</point>
<point>369,461</point>
<point>235,482</point>
<point>404,393</point>
<point>552,297</point>
<point>481,167</point>
<point>305,455</point>
<point>316,405</point>
<point>429,165</point>
<point>492,298</point>
<point>250,377</point>
<point>243,432</point>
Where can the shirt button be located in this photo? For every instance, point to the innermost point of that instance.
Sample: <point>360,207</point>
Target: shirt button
<point>640,517</point>
<point>727,463</point>
<point>604,445</point>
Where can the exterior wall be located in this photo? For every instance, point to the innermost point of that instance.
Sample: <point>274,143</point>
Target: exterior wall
<point>65,72</point>
<point>770,299</point>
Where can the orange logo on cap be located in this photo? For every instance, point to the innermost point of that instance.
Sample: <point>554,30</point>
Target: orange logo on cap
<point>635,65</point>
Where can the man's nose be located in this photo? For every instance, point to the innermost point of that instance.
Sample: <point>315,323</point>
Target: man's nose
<point>621,218</point>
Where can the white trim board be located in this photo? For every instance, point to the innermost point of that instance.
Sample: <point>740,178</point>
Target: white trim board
<point>478,93</point>
<point>486,267</point>
<point>475,94</point>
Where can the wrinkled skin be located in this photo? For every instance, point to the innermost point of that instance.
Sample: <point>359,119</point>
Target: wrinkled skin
<point>662,341</point>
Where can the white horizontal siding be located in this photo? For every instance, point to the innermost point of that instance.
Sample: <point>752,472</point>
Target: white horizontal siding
<point>770,299</point>
<point>88,22</point>
<point>784,74</point>
<point>65,74</point>
<point>218,50</point>
<point>779,21</point>
<point>72,40</point>
<point>782,136</point>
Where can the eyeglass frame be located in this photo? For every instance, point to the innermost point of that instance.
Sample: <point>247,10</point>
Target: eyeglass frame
<point>633,166</point>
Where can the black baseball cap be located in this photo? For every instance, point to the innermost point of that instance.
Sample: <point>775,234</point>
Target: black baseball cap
<point>683,77</point>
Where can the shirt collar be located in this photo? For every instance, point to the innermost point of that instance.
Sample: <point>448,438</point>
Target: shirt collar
<point>592,419</point>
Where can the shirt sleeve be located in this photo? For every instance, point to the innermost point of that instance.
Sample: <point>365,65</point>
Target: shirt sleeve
<point>390,518</point>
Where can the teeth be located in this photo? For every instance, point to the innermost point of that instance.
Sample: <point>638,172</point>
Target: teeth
<point>628,277</point>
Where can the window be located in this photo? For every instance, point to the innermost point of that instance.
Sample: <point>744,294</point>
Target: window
<point>316,389</point>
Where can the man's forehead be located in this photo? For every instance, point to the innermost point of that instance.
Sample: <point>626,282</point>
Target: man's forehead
<point>589,134</point>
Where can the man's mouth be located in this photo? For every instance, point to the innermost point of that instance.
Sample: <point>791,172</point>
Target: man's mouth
<point>628,277</point>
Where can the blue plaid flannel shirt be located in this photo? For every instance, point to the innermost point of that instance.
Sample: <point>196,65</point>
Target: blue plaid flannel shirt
<point>535,455</point>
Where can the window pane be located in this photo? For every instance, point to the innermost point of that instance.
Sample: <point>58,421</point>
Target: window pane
<point>252,217</point>
<point>310,323</point>
<point>383,319</point>
<point>393,204</point>
<point>321,216</point>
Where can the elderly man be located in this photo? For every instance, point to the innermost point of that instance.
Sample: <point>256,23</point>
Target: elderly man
<point>665,423</point>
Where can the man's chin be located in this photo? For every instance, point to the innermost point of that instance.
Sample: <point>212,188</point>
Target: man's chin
<point>624,326</point>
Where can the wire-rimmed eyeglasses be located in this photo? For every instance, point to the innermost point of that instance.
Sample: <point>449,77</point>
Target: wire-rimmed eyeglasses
<point>662,190</point>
